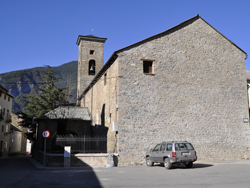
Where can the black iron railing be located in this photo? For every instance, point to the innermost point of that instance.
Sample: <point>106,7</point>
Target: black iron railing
<point>82,144</point>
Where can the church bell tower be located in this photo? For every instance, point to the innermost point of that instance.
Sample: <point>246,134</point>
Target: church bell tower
<point>90,60</point>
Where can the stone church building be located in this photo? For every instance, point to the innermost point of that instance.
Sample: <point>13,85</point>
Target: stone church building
<point>186,83</point>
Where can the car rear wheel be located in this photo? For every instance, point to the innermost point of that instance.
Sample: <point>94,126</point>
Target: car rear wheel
<point>149,162</point>
<point>189,165</point>
<point>167,163</point>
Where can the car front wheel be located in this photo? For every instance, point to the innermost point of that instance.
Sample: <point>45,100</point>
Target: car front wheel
<point>149,162</point>
<point>167,163</point>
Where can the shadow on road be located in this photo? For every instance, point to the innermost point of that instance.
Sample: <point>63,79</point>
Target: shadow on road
<point>181,166</point>
<point>201,165</point>
<point>18,172</point>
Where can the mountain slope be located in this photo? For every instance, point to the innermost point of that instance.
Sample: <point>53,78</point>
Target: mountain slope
<point>24,81</point>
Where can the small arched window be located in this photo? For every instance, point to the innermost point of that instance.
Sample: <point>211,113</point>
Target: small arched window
<point>92,67</point>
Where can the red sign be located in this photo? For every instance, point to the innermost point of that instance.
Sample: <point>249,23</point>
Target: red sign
<point>46,134</point>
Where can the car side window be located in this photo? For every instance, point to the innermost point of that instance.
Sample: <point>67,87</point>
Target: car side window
<point>169,147</point>
<point>177,147</point>
<point>163,146</point>
<point>157,147</point>
<point>189,146</point>
<point>183,146</point>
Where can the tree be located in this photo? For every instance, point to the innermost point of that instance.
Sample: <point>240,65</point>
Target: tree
<point>48,98</point>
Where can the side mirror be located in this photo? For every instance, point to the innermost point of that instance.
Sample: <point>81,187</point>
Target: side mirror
<point>151,150</point>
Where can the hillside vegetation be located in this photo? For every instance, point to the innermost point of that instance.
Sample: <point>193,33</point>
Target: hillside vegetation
<point>25,81</point>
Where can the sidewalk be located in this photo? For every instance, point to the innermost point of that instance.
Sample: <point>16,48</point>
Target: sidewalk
<point>35,163</point>
<point>39,166</point>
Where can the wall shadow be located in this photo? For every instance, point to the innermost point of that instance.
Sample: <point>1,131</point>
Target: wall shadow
<point>115,158</point>
<point>103,116</point>
<point>50,177</point>
<point>182,166</point>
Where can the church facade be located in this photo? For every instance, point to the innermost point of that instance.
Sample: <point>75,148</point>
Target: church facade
<point>186,83</point>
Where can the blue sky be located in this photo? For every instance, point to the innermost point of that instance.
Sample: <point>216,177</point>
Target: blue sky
<point>44,32</point>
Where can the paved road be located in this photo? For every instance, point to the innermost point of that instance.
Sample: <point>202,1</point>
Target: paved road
<point>19,172</point>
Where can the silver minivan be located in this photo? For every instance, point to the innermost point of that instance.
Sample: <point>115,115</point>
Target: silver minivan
<point>173,152</point>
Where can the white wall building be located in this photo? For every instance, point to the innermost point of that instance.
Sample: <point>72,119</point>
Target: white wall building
<point>5,120</point>
<point>18,140</point>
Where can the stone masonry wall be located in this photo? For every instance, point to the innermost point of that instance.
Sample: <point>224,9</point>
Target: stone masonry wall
<point>198,93</point>
<point>84,57</point>
<point>101,101</point>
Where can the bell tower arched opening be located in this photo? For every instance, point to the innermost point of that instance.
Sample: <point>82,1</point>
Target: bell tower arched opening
<point>92,67</point>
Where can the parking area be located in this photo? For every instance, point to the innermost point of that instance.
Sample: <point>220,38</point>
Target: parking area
<point>207,175</point>
<point>19,172</point>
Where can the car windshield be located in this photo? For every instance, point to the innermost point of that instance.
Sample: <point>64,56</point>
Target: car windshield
<point>184,146</point>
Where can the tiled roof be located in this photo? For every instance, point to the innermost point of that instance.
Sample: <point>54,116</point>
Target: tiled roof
<point>14,128</point>
<point>90,38</point>
<point>3,90</point>
<point>68,112</point>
